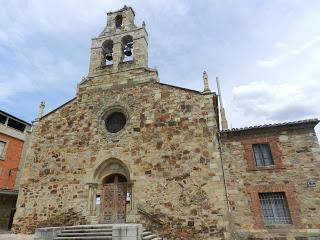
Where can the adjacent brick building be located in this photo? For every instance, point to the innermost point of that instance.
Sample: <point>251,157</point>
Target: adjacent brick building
<point>14,136</point>
<point>128,148</point>
<point>288,182</point>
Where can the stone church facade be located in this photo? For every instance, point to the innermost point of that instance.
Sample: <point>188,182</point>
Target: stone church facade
<point>129,149</point>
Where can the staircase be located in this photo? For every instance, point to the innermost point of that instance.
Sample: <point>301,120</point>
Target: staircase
<point>148,235</point>
<point>86,232</point>
<point>99,231</point>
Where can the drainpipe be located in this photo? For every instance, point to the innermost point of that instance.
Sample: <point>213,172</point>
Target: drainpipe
<point>229,214</point>
<point>223,172</point>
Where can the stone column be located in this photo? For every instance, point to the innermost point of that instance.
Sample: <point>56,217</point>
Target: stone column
<point>131,212</point>
<point>91,198</point>
<point>117,56</point>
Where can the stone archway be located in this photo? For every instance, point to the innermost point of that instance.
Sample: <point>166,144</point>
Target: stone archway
<point>110,192</point>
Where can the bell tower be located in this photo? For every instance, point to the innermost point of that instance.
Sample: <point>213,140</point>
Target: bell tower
<point>121,45</point>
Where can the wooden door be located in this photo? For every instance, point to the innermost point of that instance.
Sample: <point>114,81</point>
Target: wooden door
<point>114,201</point>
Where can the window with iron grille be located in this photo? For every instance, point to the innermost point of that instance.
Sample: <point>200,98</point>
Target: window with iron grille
<point>274,208</point>
<point>262,154</point>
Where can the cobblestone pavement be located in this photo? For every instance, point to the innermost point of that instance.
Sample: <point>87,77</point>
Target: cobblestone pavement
<point>16,237</point>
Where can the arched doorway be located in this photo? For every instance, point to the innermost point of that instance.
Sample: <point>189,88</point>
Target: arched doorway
<point>114,196</point>
<point>110,193</point>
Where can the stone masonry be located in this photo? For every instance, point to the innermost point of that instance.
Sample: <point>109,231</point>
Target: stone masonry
<point>168,146</point>
<point>185,178</point>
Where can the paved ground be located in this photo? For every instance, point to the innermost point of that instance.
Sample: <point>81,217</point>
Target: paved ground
<point>15,237</point>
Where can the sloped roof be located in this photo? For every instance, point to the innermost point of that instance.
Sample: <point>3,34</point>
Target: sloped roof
<point>15,118</point>
<point>183,88</point>
<point>312,122</point>
<point>61,106</point>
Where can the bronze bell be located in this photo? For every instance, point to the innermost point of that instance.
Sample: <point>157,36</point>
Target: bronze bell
<point>109,56</point>
<point>127,51</point>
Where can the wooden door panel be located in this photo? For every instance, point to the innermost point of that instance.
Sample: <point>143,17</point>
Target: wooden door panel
<point>114,202</point>
<point>121,202</point>
<point>108,202</point>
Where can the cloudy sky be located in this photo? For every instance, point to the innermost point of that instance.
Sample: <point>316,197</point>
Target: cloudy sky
<point>266,53</point>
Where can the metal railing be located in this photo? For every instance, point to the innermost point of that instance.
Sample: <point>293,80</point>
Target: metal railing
<point>151,216</point>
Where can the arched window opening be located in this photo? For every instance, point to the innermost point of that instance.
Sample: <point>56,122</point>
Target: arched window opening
<point>118,21</point>
<point>107,48</point>
<point>127,44</point>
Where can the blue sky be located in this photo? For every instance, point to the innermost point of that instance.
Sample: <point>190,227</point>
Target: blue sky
<point>266,53</point>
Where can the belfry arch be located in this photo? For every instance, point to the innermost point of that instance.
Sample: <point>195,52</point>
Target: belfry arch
<point>110,192</point>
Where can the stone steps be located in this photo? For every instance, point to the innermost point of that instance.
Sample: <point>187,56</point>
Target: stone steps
<point>93,226</point>
<point>148,235</point>
<point>75,234</point>
<point>83,238</point>
<point>102,231</point>
<point>83,232</point>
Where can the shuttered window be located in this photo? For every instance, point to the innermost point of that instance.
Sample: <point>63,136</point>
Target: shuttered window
<point>262,154</point>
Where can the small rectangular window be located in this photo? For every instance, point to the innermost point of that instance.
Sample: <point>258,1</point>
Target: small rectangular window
<point>16,125</point>
<point>3,119</point>
<point>262,154</point>
<point>274,208</point>
<point>2,148</point>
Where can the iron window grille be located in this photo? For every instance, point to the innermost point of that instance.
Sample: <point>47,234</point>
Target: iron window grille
<point>262,154</point>
<point>274,208</point>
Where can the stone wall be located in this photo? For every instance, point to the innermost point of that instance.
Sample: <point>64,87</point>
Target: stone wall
<point>296,161</point>
<point>169,146</point>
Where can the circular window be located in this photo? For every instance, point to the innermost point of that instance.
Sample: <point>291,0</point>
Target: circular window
<point>115,122</point>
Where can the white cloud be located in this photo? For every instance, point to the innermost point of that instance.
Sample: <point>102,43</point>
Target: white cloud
<point>278,102</point>
<point>274,61</point>
<point>36,76</point>
<point>33,38</point>
<point>42,44</point>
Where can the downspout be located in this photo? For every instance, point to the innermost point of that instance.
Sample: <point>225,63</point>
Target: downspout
<point>223,171</point>
<point>221,126</point>
<point>229,214</point>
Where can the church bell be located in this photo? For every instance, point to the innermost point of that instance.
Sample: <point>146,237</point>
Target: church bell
<point>128,49</point>
<point>109,56</point>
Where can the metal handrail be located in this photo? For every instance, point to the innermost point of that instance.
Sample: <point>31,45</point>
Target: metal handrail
<point>151,216</point>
